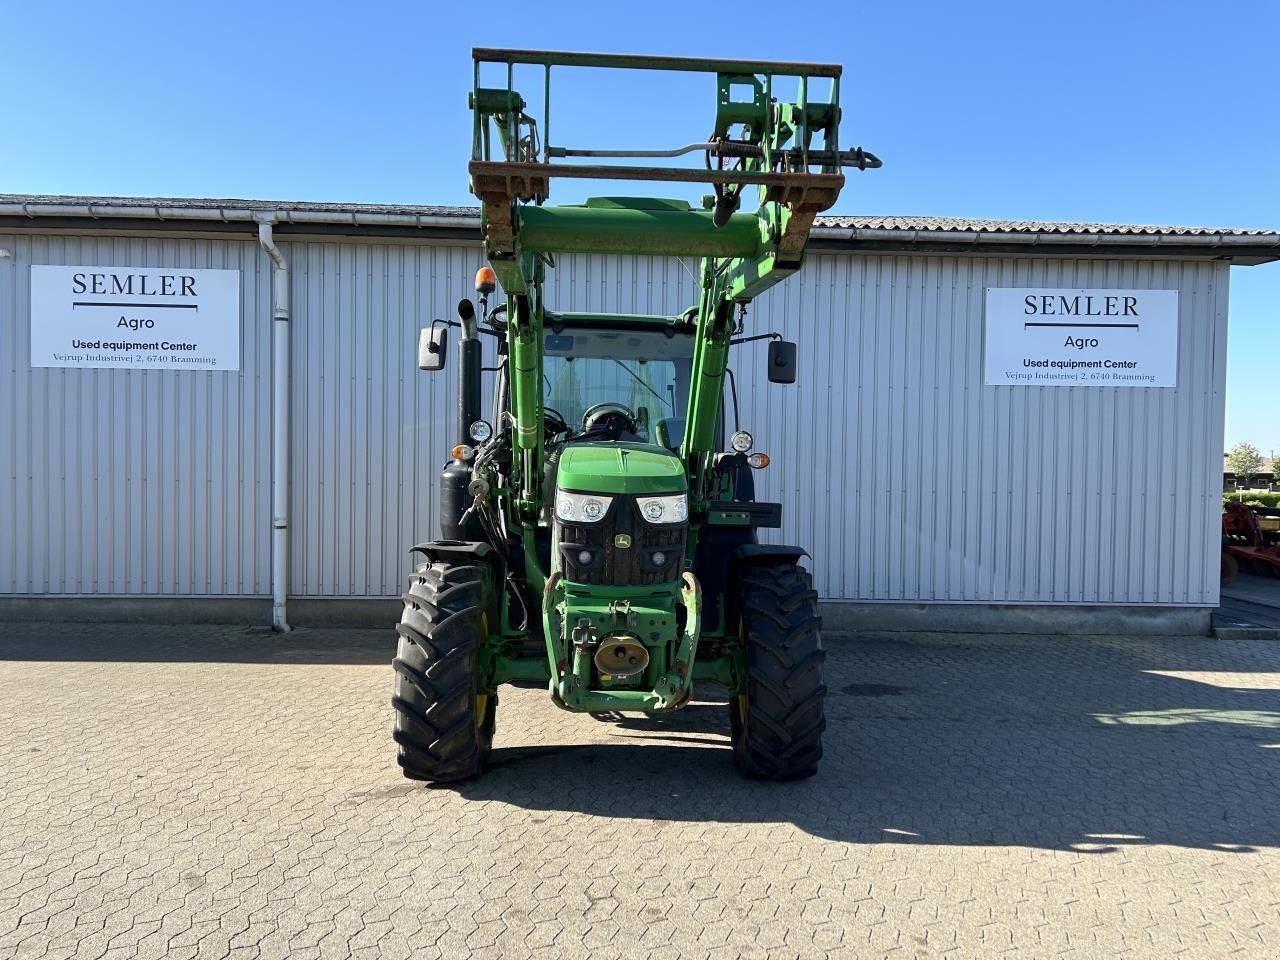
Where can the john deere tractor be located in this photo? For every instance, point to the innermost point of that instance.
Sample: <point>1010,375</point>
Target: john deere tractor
<point>599,539</point>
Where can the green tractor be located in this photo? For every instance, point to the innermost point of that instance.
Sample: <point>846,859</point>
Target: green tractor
<point>597,539</point>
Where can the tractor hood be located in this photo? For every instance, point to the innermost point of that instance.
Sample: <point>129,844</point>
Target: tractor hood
<point>621,467</point>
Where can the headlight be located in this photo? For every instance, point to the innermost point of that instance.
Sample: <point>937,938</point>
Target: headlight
<point>481,431</point>
<point>581,507</point>
<point>665,509</point>
<point>741,441</point>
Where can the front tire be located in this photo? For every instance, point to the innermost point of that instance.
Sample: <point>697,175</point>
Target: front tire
<point>777,723</point>
<point>444,720</point>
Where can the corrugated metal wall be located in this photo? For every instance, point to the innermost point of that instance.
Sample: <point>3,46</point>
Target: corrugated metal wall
<point>371,431</point>
<point>911,480</point>
<point>134,482</point>
<point>904,476</point>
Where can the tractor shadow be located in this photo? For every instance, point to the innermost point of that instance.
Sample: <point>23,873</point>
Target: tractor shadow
<point>1062,743</point>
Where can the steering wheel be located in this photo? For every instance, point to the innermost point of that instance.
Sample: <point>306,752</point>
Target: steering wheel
<point>609,415</point>
<point>554,421</point>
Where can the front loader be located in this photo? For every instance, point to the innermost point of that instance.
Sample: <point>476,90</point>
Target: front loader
<point>599,538</point>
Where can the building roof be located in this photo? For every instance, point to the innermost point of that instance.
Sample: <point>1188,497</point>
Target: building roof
<point>861,232</point>
<point>1267,466</point>
<point>966,224</point>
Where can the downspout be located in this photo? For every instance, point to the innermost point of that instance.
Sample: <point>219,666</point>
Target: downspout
<point>279,425</point>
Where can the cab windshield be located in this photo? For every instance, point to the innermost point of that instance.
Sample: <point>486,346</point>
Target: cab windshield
<point>644,370</point>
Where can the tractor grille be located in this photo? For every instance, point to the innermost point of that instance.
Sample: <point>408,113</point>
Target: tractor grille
<point>611,565</point>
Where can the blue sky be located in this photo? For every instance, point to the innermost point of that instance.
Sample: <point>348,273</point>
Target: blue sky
<point>1157,112</point>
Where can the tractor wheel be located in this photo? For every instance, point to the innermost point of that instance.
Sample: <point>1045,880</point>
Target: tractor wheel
<point>1230,568</point>
<point>444,721</point>
<point>777,723</point>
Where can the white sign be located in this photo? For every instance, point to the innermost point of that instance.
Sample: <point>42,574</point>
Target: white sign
<point>158,318</point>
<point>1082,338</point>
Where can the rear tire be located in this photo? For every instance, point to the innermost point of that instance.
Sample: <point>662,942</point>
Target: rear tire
<point>444,721</point>
<point>777,724</point>
<point>1230,568</point>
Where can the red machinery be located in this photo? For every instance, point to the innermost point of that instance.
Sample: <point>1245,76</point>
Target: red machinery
<point>1246,544</point>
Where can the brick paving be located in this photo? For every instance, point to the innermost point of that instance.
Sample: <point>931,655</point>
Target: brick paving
<point>216,792</point>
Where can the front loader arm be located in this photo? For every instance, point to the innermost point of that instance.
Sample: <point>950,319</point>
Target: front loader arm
<point>787,152</point>
<point>524,337</point>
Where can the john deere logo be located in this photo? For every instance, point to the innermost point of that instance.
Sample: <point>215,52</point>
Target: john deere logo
<point>622,541</point>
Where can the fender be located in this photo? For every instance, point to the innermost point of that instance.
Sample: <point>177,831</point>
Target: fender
<point>755,554</point>
<point>472,552</point>
<point>749,554</point>
<point>458,551</point>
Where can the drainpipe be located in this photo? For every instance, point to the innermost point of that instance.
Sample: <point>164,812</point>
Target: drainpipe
<point>279,425</point>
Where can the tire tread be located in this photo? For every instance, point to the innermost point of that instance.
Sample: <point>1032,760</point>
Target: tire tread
<point>435,666</point>
<point>782,736</point>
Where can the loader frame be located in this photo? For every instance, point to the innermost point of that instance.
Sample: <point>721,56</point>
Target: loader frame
<point>787,155</point>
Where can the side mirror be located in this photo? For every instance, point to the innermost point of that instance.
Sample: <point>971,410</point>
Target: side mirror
<point>782,361</point>
<point>432,342</point>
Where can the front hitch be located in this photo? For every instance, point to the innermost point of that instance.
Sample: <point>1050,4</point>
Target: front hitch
<point>570,685</point>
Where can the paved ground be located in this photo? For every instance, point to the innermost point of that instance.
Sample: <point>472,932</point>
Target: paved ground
<point>1251,600</point>
<point>213,792</point>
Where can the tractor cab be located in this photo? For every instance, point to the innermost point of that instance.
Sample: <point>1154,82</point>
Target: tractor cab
<point>617,377</point>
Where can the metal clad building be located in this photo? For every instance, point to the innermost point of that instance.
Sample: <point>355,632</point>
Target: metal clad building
<point>906,477</point>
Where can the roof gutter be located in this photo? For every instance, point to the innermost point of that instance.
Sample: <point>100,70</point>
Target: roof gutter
<point>229,214</point>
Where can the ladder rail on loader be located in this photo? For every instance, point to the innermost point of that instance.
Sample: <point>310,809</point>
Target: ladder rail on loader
<point>788,151</point>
